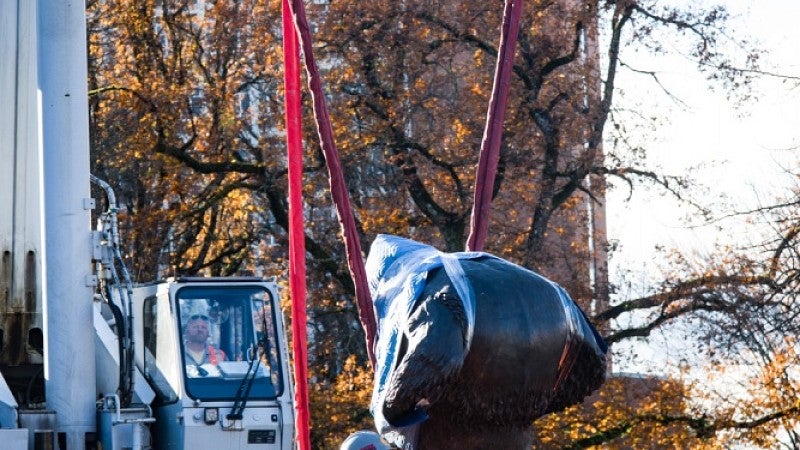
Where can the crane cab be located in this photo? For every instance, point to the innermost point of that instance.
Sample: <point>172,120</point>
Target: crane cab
<point>214,351</point>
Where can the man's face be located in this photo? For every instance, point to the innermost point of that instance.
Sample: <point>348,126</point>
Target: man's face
<point>197,330</point>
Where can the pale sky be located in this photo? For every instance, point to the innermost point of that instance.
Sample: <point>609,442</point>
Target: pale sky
<point>742,151</point>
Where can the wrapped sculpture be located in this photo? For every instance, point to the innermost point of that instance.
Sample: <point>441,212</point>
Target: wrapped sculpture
<point>472,349</point>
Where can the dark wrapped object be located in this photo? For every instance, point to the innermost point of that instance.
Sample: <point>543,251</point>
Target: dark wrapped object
<point>472,348</point>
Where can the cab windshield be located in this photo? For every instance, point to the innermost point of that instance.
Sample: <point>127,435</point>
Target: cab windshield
<point>228,338</point>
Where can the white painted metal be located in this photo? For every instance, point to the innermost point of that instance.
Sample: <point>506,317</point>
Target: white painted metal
<point>70,366</point>
<point>28,201</point>
<point>107,363</point>
<point>8,406</point>
<point>106,355</point>
<point>16,439</point>
<point>8,94</point>
<point>20,180</point>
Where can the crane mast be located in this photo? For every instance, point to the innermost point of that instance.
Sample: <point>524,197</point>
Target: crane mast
<point>46,206</point>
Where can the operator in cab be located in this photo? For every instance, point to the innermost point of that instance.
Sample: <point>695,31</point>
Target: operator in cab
<point>199,352</point>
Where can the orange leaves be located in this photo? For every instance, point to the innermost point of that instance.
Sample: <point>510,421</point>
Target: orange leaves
<point>340,407</point>
<point>190,81</point>
<point>394,221</point>
<point>457,136</point>
<point>478,57</point>
<point>627,412</point>
<point>187,124</point>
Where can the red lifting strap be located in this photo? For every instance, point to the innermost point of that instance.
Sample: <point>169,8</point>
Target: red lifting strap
<point>341,199</point>
<point>297,251</point>
<point>493,133</point>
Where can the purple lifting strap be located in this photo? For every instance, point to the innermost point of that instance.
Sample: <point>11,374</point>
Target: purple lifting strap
<point>341,200</point>
<point>487,165</point>
<point>493,133</point>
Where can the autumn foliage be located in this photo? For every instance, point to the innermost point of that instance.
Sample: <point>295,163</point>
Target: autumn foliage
<point>187,125</point>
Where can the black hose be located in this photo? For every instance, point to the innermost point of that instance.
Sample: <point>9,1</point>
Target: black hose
<point>29,388</point>
<point>125,382</point>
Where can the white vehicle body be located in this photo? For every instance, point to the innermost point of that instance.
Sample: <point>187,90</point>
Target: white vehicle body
<point>194,410</point>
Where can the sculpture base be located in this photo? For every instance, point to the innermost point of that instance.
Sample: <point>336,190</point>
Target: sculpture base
<point>441,434</point>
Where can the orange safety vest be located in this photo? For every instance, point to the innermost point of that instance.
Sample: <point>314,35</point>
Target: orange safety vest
<point>212,355</point>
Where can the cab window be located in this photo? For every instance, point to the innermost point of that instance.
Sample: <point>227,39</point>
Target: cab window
<point>228,336</point>
<point>160,349</point>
